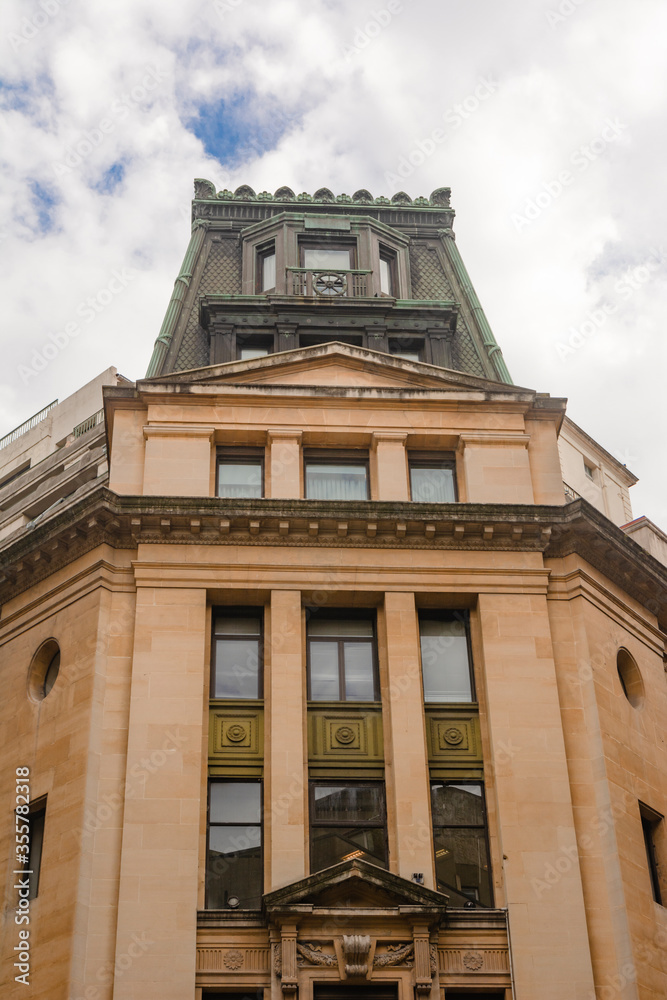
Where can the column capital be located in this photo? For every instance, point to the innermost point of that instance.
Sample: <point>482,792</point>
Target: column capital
<point>283,433</point>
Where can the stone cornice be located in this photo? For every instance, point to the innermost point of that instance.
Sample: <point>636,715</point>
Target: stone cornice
<point>104,517</point>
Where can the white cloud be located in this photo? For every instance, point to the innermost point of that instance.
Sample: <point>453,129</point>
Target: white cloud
<point>321,98</point>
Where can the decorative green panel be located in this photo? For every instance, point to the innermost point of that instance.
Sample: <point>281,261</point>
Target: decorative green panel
<point>340,736</point>
<point>236,738</point>
<point>454,741</point>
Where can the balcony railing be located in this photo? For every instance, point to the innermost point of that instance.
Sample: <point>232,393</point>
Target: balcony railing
<point>27,425</point>
<point>88,423</point>
<point>571,494</point>
<point>329,283</point>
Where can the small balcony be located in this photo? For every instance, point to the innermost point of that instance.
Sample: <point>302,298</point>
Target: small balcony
<point>328,283</point>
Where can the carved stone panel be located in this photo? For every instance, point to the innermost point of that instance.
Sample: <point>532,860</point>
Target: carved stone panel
<point>345,736</point>
<point>454,738</point>
<point>236,737</point>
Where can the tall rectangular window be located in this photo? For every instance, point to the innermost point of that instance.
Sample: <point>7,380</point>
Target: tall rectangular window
<point>342,658</point>
<point>234,861</point>
<point>652,828</point>
<point>347,821</point>
<point>36,818</point>
<point>326,258</point>
<point>445,656</point>
<point>266,268</point>
<point>336,476</point>
<point>433,480</point>
<point>237,653</point>
<point>461,845</point>
<point>387,272</point>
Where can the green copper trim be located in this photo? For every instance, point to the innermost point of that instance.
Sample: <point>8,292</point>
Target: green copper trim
<point>181,286</point>
<point>493,350</point>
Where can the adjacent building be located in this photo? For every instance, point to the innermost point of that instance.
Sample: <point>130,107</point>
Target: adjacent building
<point>339,681</point>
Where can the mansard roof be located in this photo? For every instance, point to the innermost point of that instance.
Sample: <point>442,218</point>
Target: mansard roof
<point>215,278</point>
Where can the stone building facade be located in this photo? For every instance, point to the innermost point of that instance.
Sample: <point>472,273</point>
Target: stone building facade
<point>327,688</point>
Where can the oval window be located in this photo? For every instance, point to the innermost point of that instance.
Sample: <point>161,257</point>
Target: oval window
<point>44,670</point>
<point>630,678</point>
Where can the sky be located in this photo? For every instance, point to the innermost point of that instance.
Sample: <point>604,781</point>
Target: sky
<point>545,117</point>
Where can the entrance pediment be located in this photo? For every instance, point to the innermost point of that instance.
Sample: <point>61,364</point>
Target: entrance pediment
<point>356,885</point>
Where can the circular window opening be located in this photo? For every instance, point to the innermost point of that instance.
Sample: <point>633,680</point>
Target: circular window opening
<point>630,678</point>
<point>44,670</point>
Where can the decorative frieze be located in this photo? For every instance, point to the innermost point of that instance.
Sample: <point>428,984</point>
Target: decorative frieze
<point>473,960</point>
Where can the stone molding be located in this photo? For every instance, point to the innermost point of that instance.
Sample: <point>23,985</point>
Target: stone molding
<point>104,517</point>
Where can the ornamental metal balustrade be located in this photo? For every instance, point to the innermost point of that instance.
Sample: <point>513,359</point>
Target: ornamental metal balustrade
<point>328,282</point>
<point>27,425</point>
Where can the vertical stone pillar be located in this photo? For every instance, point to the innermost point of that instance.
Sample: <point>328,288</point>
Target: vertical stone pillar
<point>284,464</point>
<point>408,791</point>
<point>286,789</point>
<point>423,971</point>
<point>391,466</point>
<point>157,893</point>
<point>544,893</point>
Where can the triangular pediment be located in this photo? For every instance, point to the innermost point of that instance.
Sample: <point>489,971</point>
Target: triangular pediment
<point>336,365</point>
<point>355,884</point>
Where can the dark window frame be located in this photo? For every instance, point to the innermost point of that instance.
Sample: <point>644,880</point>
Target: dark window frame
<point>256,340</point>
<point>650,820</point>
<point>449,614</point>
<point>344,824</point>
<point>435,782</point>
<point>427,460</point>
<point>337,615</point>
<point>240,611</point>
<point>35,817</point>
<point>263,251</point>
<point>341,456</point>
<point>236,781</point>
<point>239,456</point>
<point>415,345</point>
<point>329,243</point>
<point>391,258</point>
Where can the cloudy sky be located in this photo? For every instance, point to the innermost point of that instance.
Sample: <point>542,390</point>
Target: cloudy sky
<point>546,118</point>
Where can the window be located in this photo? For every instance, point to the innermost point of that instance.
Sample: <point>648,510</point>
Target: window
<point>387,271</point>
<point>460,841</point>
<point>652,828</point>
<point>342,658</point>
<point>326,258</point>
<point>347,821</point>
<point>266,268</point>
<point>433,479</point>
<point>44,670</point>
<point>31,826</point>
<point>249,346</point>
<point>408,348</point>
<point>237,653</point>
<point>336,476</point>
<point>234,861</point>
<point>240,473</point>
<point>588,469</point>
<point>445,655</point>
